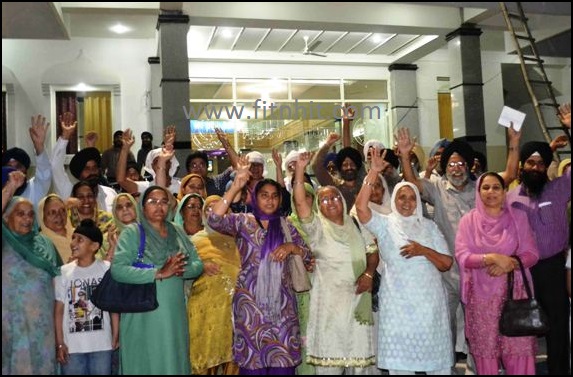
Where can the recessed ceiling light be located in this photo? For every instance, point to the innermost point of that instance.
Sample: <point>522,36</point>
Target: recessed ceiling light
<point>226,33</point>
<point>119,29</point>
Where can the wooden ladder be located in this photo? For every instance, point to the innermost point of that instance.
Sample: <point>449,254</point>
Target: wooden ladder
<point>525,43</point>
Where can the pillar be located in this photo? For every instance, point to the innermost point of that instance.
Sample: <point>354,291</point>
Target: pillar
<point>467,86</point>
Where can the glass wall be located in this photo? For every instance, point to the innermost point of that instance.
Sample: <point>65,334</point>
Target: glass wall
<point>285,113</point>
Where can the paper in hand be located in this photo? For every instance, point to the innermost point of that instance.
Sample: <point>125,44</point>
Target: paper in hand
<point>509,115</point>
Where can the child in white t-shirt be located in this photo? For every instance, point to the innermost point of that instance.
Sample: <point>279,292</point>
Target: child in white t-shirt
<point>85,335</point>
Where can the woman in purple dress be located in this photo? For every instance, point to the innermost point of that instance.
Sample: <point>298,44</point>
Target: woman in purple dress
<point>266,329</point>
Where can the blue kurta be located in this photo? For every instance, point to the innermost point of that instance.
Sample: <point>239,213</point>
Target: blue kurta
<point>414,329</point>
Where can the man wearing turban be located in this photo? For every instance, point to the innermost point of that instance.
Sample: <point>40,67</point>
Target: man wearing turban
<point>545,203</point>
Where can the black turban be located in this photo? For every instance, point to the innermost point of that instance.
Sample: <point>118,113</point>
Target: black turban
<point>17,154</point>
<point>89,229</point>
<point>463,149</point>
<point>352,154</point>
<point>536,146</point>
<point>392,158</point>
<point>80,159</point>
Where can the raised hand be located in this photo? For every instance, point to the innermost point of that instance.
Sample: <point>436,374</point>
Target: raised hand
<point>405,142</point>
<point>378,162</point>
<point>222,136</point>
<point>68,125</point>
<point>513,135</point>
<point>243,174</point>
<point>565,114</point>
<point>38,132</point>
<point>91,139</point>
<point>169,135</point>
<point>303,160</point>
<point>16,179</point>
<point>127,139</point>
<point>277,158</point>
<point>332,138</point>
<point>560,141</point>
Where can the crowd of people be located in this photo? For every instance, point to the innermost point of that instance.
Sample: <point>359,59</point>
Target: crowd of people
<point>408,258</point>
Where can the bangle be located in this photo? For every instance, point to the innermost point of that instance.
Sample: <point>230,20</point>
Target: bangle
<point>58,346</point>
<point>368,275</point>
<point>160,168</point>
<point>366,183</point>
<point>483,263</point>
<point>297,183</point>
<point>159,276</point>
<point>225,201</point>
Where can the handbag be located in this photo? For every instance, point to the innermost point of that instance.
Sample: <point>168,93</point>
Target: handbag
<point>300,281</point>
<point>522,317</point>
<point>115,297</point>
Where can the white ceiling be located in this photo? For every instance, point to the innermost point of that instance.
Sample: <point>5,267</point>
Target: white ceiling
<point>357,33</point>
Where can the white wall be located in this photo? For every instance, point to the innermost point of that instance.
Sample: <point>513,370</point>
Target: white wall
<point>26,62</point>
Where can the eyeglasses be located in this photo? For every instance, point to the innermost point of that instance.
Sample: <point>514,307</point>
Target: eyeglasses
<point>328,199</point>
<point>157,202</point>
<point>459,164</point>
<point>193,206</point>
<point>197,165</point>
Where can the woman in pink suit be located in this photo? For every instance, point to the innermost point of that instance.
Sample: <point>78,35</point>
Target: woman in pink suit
<point>488,238</point>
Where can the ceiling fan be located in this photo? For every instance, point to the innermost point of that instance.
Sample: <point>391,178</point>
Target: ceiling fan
<point>308,50</point>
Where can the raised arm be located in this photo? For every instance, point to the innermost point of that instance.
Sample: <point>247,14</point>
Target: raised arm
<point>320,172</point>
<point>405,145</point>
<point>512,166</point>
<point>233,156</point>
<point>15,180</point>
<point>127,142</point>
<point>62,184</point>
<point>377,166</point>
<point>43,175</point>
<point>278,160</point>
<point>302,208</point>
<point>241,178</point>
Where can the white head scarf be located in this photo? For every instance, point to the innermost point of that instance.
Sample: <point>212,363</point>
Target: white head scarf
<point>410,227</point>
<point>374,144</point>
<point>149,162</point>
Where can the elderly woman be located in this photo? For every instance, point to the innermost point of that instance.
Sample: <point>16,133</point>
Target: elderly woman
<point>54,224</point>
<point>29,262</point>
<point>266,339</point>
<point>339,331</point>
<point>210,305</point>
<point>488,237</point>
<point>156,342</point>
<point>189,214</point>
<point>192,184</point>
<point>414,332</point>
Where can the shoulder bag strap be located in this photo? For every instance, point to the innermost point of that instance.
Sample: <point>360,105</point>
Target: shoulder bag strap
<point>524,276</point>
<point>286,230</point>
<point>141,243</point>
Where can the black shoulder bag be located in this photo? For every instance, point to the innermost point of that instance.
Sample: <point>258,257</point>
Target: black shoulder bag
<point>115,297</point>
<point>522,317</point>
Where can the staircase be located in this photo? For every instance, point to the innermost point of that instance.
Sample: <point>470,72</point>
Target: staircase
<point>527,52</point>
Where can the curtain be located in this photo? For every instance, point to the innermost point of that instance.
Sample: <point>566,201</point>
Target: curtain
<point>445,115</point>
<point>97,117</point>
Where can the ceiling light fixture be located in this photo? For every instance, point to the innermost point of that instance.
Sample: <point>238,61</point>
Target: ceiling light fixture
<point>226,33</point>
<point>119,29</point>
